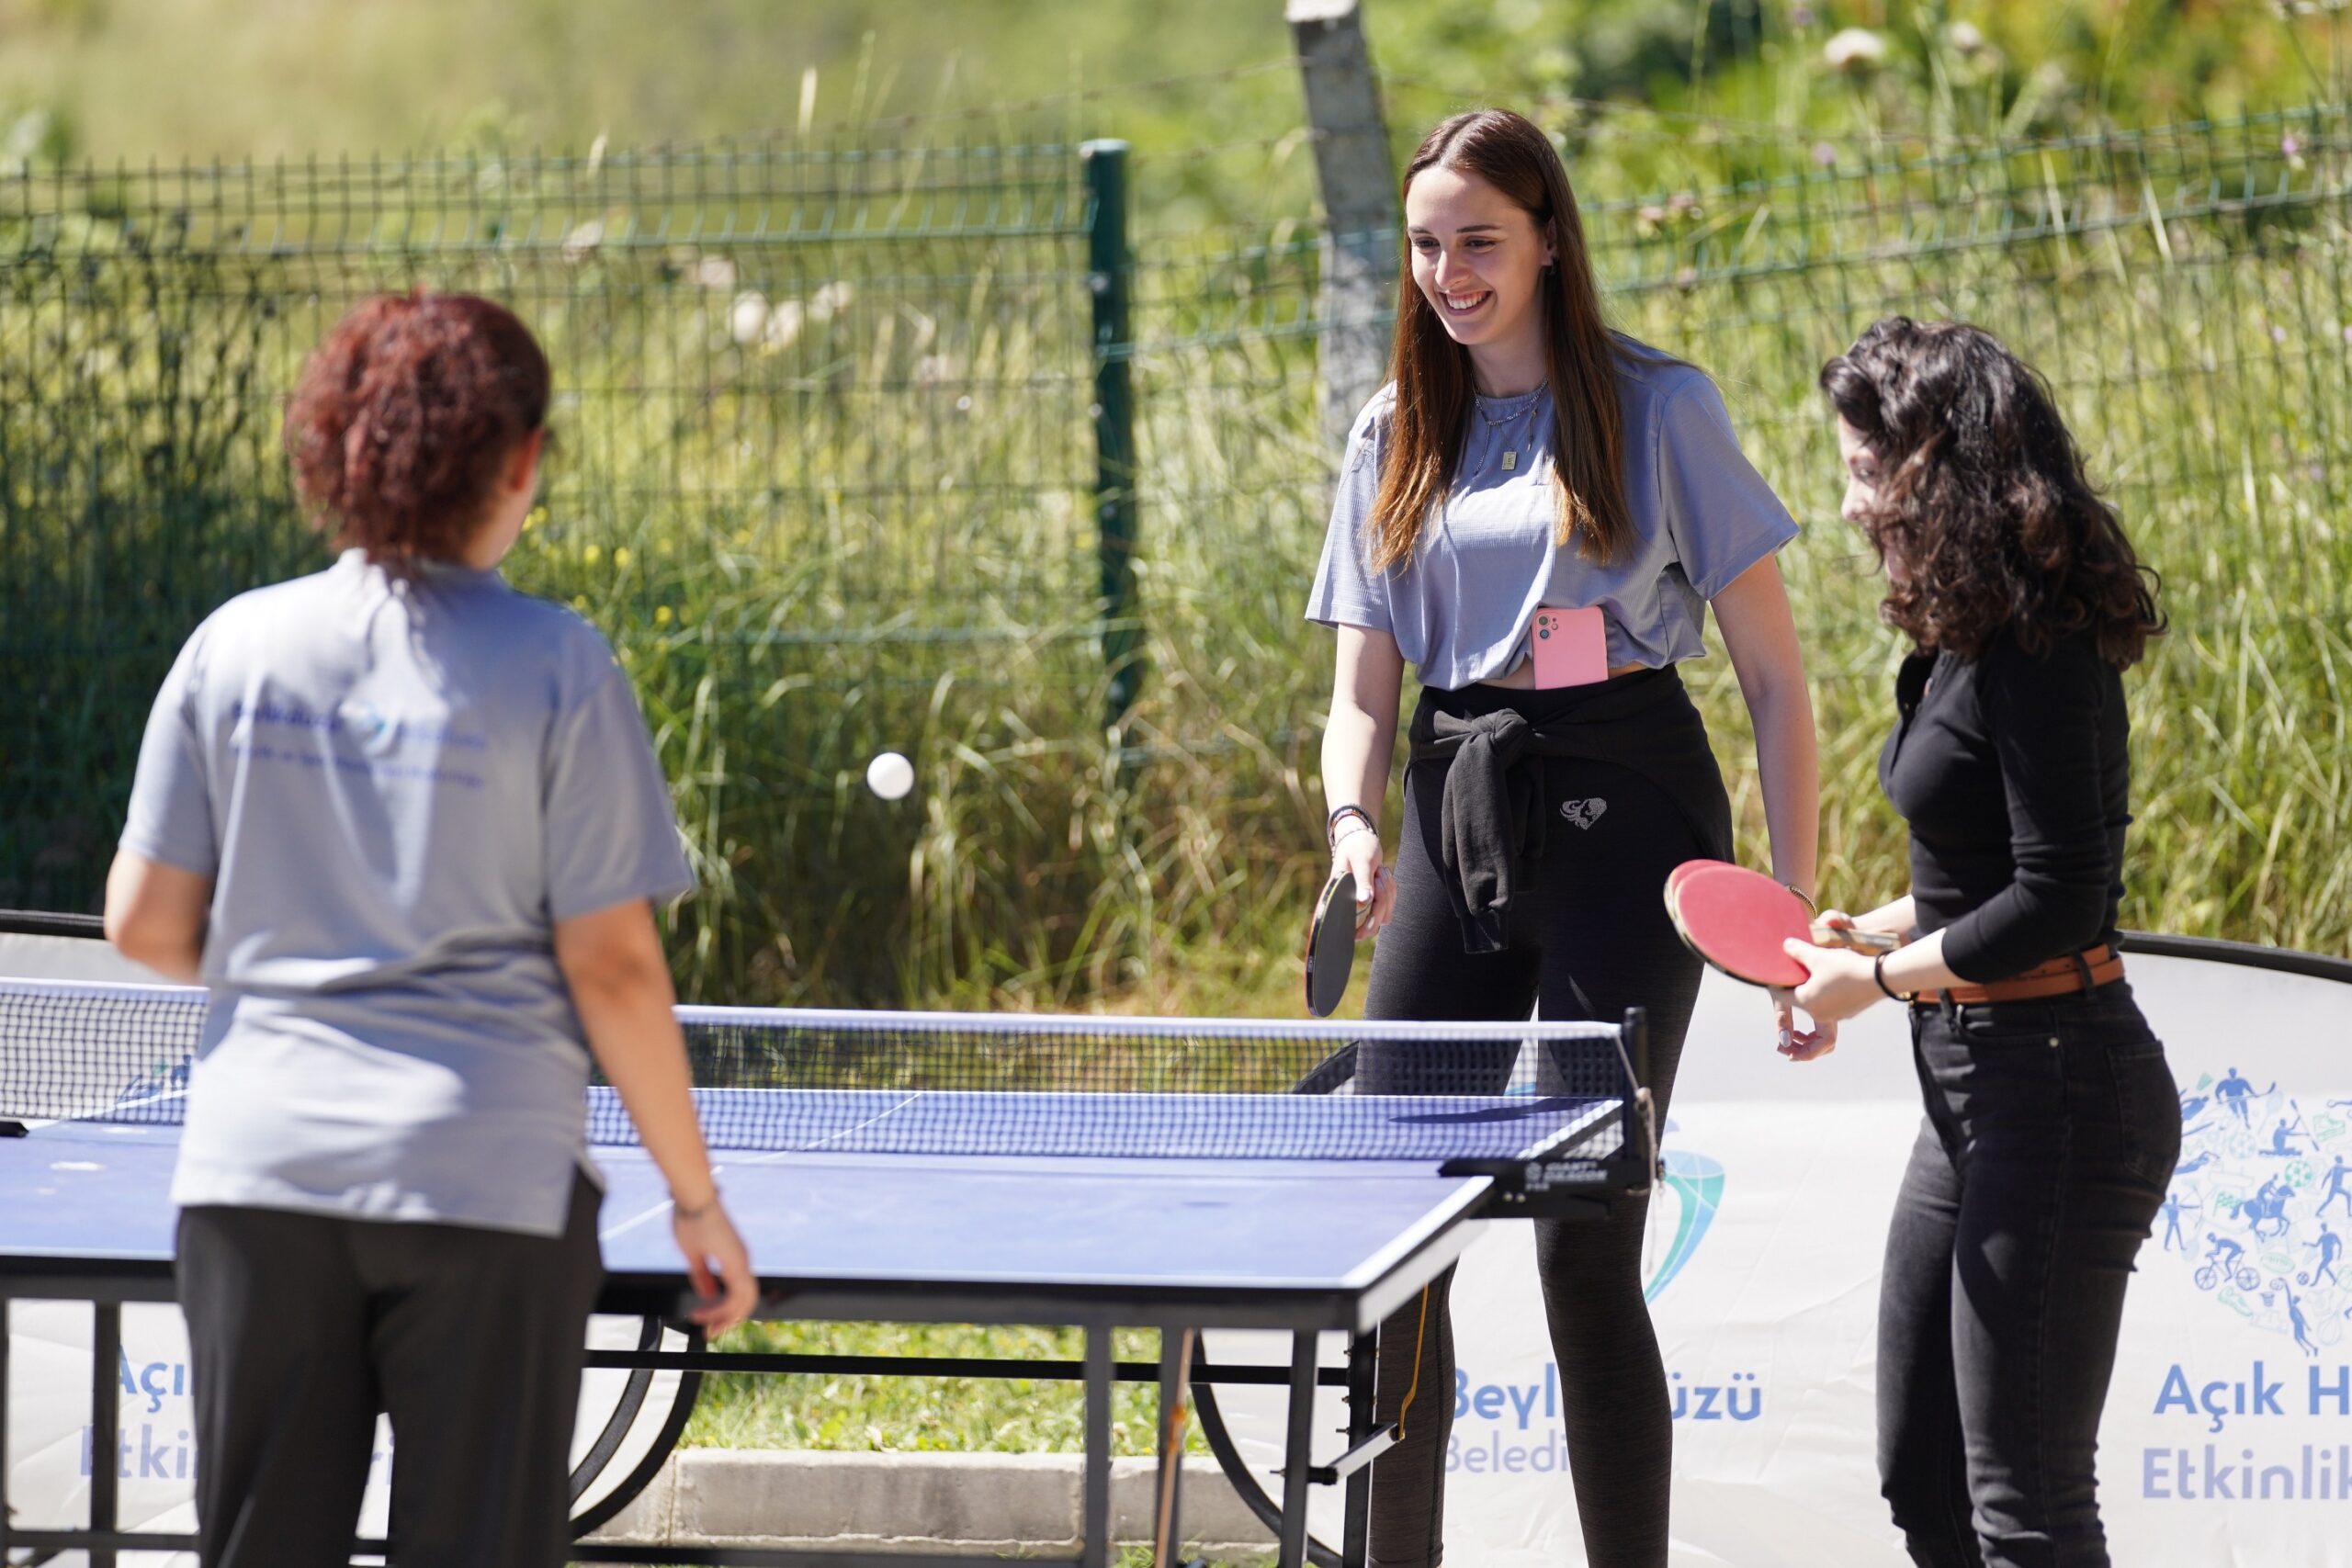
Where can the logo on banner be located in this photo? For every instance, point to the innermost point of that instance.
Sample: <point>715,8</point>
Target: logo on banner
<point>2260,1209</point>
<point>1684,1204</point>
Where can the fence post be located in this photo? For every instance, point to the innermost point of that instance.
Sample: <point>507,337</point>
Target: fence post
<point>1359,184</point>
<point>1108,274</point>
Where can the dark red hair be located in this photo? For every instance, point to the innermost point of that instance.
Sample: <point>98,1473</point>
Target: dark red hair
<point>404,416</point>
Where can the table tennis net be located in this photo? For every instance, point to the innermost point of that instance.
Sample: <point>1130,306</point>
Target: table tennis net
<point>788,1079</point>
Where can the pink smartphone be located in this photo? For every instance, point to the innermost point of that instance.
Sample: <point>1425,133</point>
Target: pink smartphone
<point>1571,648</point>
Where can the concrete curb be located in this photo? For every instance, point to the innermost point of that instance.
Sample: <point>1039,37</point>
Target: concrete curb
<point>984,1503</point>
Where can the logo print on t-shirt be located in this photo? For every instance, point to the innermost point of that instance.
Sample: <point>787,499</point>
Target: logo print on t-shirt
<point>1584,813</point>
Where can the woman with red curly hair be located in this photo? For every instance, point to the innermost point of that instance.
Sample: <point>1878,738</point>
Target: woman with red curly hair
<point>2051,1122</point>
<point>406,825</point>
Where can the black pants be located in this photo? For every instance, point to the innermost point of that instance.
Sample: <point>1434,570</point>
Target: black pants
<point>2050,1134</point>
<point>301,1327</point>
<point>1588,938</point>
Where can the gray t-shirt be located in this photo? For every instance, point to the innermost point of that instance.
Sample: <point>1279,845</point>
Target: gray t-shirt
<point>1460,609</point>
<point>397,789</point>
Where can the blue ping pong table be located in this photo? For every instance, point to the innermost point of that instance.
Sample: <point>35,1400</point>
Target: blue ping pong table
<point>874,1204</point>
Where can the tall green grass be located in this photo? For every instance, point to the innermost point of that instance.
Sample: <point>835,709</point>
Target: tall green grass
<point>823,475</point>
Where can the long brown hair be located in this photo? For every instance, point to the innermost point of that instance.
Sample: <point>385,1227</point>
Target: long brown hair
<point>1432,372</point>
<point>1984,499</point>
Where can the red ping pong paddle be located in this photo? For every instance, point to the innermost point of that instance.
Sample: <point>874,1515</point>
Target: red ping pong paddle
<point>1674,878</point>
<point>1737,921</point>
<point>1332,944</point>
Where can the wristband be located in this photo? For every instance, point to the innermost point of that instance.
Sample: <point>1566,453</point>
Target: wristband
<point>1331,824</point>
<point>1877,972</point>
<point>697,1212</point>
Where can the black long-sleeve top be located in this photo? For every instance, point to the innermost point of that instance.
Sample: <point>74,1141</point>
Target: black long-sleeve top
<point>2013,774</point>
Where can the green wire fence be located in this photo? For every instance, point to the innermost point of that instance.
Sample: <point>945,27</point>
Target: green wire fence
<point>978,454</point>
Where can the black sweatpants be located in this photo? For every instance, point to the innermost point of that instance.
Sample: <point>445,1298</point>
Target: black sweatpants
<point>1588,937</point>
<point>301,1327</point>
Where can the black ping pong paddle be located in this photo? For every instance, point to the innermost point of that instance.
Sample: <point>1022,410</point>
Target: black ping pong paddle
<point>1331,945</point>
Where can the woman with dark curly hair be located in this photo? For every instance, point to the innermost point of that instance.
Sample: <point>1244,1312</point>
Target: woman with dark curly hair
<point>2051,1122</point>
<point>405,823</point>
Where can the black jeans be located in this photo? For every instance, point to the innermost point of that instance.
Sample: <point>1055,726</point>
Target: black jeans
<point>302,1327</point>
<point>2050,1134</point>
<point>1589,938</point>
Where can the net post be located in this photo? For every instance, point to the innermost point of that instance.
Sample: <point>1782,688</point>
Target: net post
<point>1639,1139</point>
<point>1634,1035</point>
<point>1109,277</point>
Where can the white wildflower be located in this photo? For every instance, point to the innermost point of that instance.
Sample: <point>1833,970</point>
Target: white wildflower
<point>784,327</point>
<point>831,300</point>
<point>1857,50</point>
<point>748,319</point>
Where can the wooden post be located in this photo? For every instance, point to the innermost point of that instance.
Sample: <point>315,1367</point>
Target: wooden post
<point>1359,182</point>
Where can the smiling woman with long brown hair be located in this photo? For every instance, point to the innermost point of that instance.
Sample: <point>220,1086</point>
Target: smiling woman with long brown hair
<point>1537,513</point>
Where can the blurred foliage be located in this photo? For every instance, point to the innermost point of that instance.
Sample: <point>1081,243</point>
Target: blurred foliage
<point>104,80</point>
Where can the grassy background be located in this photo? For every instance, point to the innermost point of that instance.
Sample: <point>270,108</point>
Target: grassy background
<point>134,79</point>
<point>824,465</point>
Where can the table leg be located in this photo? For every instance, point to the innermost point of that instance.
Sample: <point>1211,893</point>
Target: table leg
<point>1363,1364</point>
<point>6,1306</point>
<point>1298,1450</point>
<point>106,1425</point>
<point>1175,1379</point>
<point>1094,1541</point>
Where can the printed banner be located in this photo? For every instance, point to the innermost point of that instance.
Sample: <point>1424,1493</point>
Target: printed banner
<point>2228,1435</point>
<point>48,1421</point>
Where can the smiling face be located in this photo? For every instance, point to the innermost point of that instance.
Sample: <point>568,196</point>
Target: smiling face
<point>1478,259</point>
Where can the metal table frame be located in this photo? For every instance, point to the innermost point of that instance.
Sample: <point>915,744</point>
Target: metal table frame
<point>1306,1315</point>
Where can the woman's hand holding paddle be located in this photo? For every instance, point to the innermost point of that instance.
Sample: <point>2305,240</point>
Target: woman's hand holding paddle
<point>1839,982</point>
<point>1357,852</point>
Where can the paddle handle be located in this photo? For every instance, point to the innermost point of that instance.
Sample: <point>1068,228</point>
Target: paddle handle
<point>1858,941</point>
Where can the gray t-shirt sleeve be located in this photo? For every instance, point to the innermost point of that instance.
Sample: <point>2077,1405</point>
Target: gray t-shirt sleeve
<point>1346,592</point>
<point>610,834</point>
<point>1719,512</point>
<point>170,820</point>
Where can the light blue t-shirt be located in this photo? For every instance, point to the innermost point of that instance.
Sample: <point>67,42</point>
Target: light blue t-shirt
<point>1461,608</point>
<point>397,789</point>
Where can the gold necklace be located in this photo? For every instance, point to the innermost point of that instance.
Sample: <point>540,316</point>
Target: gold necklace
<point>1527,411</point>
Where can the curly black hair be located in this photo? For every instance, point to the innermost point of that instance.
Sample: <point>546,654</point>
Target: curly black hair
<point>1983,500</point>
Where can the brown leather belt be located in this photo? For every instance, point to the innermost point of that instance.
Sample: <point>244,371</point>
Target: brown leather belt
<point>2084,971</point>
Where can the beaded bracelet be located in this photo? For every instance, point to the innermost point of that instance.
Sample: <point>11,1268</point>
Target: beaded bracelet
<point>1331,825</point>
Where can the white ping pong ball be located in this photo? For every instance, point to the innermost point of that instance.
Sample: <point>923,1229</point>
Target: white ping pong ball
<point>889,775</point>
